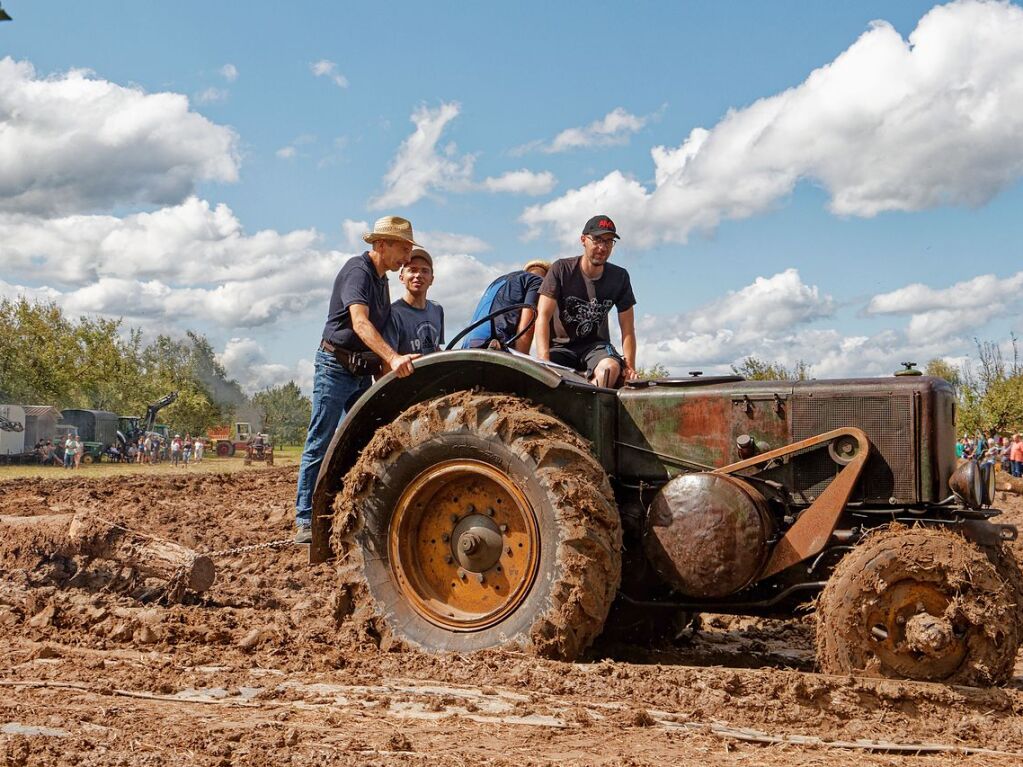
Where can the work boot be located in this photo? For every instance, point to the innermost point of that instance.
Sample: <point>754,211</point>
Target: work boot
<point>304,536</point>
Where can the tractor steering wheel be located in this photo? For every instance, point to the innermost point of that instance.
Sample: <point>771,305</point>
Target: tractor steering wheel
<point>466,330</point>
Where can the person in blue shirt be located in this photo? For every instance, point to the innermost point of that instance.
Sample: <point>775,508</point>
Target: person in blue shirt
<point>518,287</point>
<point>417,324</point>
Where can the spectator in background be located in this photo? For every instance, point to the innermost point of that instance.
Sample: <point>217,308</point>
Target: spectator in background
<point>187,449</point>
<point>69,451</point>
<point>175,449</point>
<point>1016,455</point>
<point>154,450</point>
<point>960,447</point>
<point>79,451</point>
<point>199,447</point>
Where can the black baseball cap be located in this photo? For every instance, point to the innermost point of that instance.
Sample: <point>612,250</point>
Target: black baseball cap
<point>600,225</point>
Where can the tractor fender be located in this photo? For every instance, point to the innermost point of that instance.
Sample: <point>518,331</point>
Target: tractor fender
<point>435,375</point>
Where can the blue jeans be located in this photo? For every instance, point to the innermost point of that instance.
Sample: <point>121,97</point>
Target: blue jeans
<point>335,390</point>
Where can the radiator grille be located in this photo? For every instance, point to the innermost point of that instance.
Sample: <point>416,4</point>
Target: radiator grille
<point>888,422</point>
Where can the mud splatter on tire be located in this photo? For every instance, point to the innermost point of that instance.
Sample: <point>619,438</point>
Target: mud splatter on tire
<point>580,531</point>
<point>919,603</point>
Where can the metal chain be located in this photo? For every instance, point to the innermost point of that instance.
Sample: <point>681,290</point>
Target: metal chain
<point>278,544</point>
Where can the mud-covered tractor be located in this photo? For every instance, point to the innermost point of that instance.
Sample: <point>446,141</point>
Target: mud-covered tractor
<point>491,500</point>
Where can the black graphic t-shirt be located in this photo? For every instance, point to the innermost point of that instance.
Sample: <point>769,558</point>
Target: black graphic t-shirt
<point>583,304</point>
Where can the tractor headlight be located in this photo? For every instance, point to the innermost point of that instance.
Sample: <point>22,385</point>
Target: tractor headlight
<point>987,483</point>
<point>967,483</point>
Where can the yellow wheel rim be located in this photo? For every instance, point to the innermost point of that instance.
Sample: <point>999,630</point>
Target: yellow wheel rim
<point>463,545</point>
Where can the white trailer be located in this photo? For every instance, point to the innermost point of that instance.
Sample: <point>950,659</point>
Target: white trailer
<point>12,430</point>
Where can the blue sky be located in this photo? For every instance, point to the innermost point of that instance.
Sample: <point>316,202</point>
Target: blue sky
<point>847,191</point>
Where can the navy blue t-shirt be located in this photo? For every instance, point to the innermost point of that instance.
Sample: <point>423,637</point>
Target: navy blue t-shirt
<point>356,283</point>
<point>415,331</point>
<point>520,288</point>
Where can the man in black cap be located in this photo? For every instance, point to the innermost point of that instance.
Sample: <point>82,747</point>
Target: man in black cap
<point>575,299</point>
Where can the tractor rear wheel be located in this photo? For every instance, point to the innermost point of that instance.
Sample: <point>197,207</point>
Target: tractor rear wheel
<point>477,520</point>
<point>923,604</point>
<point>224,449</point>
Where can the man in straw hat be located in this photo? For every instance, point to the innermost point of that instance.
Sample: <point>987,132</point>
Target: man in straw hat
<point>519,287</point>
<point>352,348</point>
<point>576,297</point>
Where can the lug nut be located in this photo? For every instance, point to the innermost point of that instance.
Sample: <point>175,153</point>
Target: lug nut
<point>503,528</point>
<point>480,578</point>
<point>491,512</point>
<point>449,559</point>
<point>461,573</point>
<point>470,509</point>
<point>508,551</point>
<point>445,537</point>
<point>454,517</point>
<point>498,568</point>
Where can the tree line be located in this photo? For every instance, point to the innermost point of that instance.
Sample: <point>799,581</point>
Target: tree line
<point>48,358</point>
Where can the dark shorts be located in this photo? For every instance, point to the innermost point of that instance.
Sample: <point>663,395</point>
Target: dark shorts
<point>585,357</point>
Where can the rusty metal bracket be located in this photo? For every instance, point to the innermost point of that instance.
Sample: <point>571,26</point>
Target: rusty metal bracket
<point>811,532</point>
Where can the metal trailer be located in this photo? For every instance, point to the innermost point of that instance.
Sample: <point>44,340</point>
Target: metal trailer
<point>12,430</point>
<point>96,428</point>
<point>40,424</point>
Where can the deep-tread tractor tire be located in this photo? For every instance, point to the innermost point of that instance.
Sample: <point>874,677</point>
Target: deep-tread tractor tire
<point>868,616</point>
<point>578,562</point>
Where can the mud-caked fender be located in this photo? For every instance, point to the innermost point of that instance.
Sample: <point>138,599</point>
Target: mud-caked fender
<point>589,410</point>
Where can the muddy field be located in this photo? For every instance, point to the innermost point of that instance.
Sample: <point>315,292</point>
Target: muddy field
<point>94,669</point>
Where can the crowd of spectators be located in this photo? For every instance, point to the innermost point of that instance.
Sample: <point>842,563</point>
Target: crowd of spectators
<point>150,449</point>
<point>994,450</point>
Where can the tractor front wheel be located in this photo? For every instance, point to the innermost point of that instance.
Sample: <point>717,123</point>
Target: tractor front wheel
<point>922,604</point>
<point>224,449</point>
<point>477,520</point>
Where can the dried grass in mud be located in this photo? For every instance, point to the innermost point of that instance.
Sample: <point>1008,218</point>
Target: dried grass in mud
<point>255,672</point>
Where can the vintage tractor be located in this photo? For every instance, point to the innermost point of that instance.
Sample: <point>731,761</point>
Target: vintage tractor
<point>491,500</point>
<point>260,448</point>
<point>225,441</point>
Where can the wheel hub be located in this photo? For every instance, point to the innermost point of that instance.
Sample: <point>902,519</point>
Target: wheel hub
<point>911,632</point>
<point>463,545</point>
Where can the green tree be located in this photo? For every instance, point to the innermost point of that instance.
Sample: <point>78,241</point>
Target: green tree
<point>756,369</point>
<point>286,412</point>
<point>939,368</point>
<point>652,373</point>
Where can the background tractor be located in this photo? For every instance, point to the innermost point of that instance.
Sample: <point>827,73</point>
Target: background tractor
<point>260,448</point>
<point>491,500</point>
<point>225,441</point>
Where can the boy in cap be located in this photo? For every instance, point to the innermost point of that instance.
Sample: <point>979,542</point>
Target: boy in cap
<point>417,324</point>
<point>352,349</point>
<point>518,287</point>
<point>575,299</point>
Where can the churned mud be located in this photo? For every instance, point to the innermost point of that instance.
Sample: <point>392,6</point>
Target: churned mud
<point>256,671</point>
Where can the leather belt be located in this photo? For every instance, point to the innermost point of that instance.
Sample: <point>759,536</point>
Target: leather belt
<point>356,363</point>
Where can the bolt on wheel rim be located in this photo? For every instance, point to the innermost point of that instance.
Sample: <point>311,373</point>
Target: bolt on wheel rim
<point>463,545</point>
<point>911,634</point>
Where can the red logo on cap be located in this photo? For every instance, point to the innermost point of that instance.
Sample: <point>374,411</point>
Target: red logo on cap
<point>606,223</point>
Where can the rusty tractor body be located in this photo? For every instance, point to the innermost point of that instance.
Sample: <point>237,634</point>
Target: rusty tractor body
<point>730,496</point>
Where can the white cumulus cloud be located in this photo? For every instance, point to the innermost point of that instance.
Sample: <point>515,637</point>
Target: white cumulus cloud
<point>72,142</point>
<point>612,129</point>
<point>422,167</point>
<point>246,362</point>
<point>521,182</point>
<point>891,124</point>
<point>328,69</point>
<point>419,168</point>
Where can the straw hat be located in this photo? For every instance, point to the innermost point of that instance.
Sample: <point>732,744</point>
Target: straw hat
<point>539,263</point>
<point>391,228</point>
